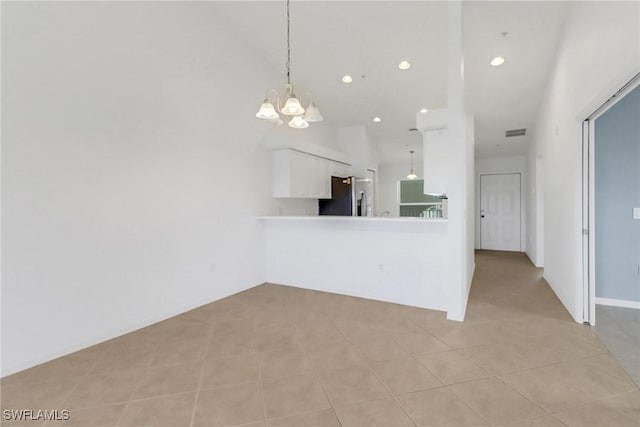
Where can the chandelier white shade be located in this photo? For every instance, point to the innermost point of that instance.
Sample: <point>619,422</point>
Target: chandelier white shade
<point>267,111</point>
<point>297,122</point>
<point>312,114</point>
<point>291,105</point>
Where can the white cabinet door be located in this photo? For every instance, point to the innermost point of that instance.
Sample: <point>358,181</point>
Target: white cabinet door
<point>322,178</point>
<point>301,175</point>
<point>326,180</point>
<point>281,173</point>
<point>299,165</point>
<point>339,169</point>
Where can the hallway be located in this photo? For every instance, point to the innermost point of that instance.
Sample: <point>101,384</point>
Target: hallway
<point>281,356</point>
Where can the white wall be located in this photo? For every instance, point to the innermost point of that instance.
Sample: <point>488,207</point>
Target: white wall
<point>356,142</point>
<point>534,198</point>
<point>498,165</point>
<point>458,158</point>
<point>394,260</point>
<point>388,177</point>
<point>599,53</point>
<point>130,186</point>
<point>470,214</point>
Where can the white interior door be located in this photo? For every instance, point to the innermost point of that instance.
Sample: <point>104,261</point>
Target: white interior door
<point>500,212</point>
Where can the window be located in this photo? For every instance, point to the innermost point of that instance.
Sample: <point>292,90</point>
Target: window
<point>413,202</point>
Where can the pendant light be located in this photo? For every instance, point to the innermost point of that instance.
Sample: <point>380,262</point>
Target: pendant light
<point>411,174</point>
<point>291,104</point>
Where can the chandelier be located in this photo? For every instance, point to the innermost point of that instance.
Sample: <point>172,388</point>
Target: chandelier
<point>412,175</point>
<point>291,106</point>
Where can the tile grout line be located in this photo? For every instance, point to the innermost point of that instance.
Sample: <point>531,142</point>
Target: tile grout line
<point>550,412</point>
<point>83,377</point>
<point>260,379</point>
<point>337,329</point>
<point>494,424</point>
<point>395,399</point>
<point>460,382</point>
<point>130,398</point>
<point>198,387</point>
<point>469,406</point>
<point>446,387</point>
<point>257,361</point>
<point>591,403</point>
<point>316,374</point>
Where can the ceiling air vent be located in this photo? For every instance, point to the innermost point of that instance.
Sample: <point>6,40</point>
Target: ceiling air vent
<point>515,132</point>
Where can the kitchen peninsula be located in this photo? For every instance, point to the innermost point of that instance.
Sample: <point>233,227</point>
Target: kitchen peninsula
<point>399,260</point>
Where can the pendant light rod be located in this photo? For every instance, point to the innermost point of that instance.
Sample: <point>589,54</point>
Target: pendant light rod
<point>288,46</point>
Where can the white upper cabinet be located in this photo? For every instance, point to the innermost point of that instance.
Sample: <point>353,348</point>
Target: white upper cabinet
<point>302,175</point>
<point>339,169</point>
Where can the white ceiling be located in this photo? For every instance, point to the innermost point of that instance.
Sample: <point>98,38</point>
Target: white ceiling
<point>367,39</point>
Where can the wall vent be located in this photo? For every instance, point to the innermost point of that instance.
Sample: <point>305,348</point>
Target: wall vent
<point>515,132</point>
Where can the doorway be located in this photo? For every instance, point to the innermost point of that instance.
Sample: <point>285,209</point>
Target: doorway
<point>500,212</point>
<point>611,192</point>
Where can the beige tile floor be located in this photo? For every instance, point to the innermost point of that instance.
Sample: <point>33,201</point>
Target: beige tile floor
<point>619,330</point>
<point>281,356</point>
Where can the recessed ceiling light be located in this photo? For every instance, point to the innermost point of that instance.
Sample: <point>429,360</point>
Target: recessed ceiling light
<point>404,65</point>
<point>377,120</point>
<point>347,79</point>
<point>498,60</point>
<point>424,110</point>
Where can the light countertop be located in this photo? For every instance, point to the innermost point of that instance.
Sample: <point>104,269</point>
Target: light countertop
<point>382,219</point>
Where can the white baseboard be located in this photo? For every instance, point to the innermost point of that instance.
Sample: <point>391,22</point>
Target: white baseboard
<point>530,258</point>
<point>618,303</point>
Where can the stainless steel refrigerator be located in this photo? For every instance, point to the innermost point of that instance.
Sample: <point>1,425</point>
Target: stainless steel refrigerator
<point>350,196</point>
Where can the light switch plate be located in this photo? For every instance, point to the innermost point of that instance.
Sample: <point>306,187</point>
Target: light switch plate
<point>636,213</point>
